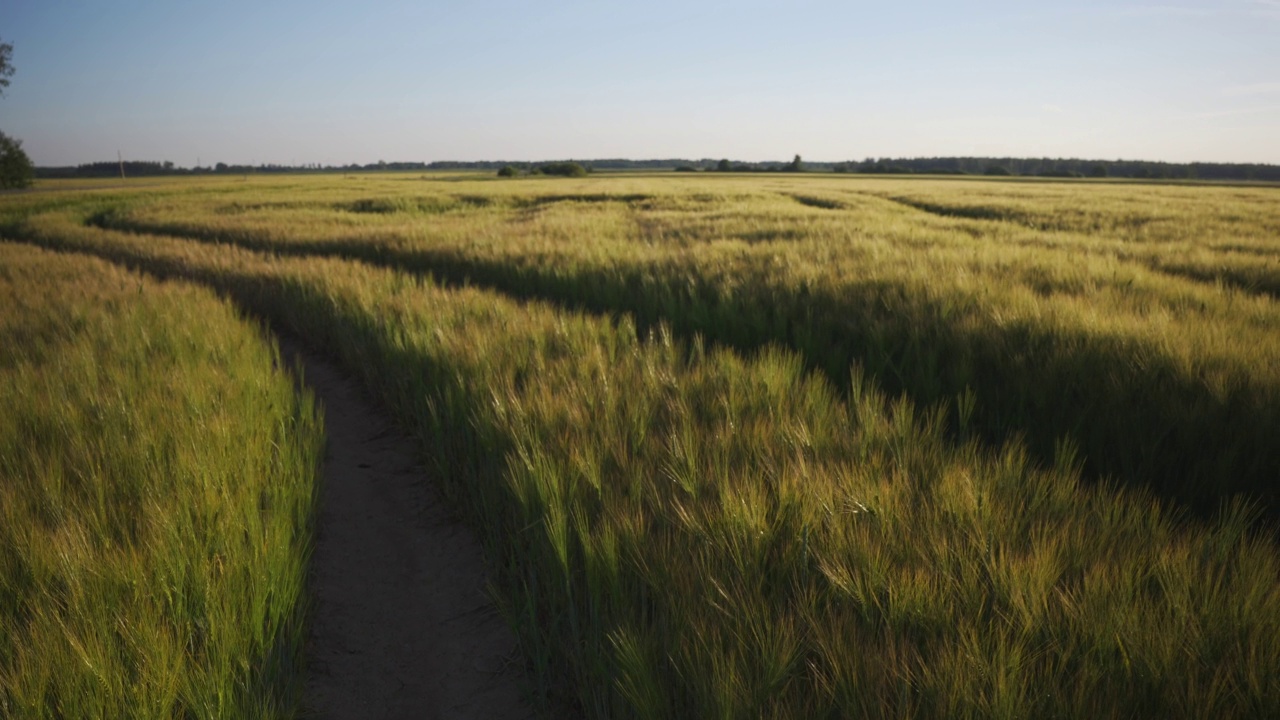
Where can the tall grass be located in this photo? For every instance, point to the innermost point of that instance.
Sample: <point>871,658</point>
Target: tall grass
<point>686,532</point>
<point>1135,322</point>
<point>157,476</point>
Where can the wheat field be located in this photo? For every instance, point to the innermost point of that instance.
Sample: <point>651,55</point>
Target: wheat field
<point>779,446</point>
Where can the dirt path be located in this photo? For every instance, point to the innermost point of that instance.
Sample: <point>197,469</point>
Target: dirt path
<point>401,626</point>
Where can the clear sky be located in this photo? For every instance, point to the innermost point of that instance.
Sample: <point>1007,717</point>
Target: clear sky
<point>303,81</point>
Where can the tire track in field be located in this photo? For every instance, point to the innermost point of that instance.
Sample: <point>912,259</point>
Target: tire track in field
<point>401,623</point>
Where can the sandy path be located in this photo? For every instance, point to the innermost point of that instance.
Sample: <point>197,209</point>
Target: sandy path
<point>401,625</point>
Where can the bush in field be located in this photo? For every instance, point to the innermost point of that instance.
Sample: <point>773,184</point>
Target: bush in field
<point>509,171</point>
<point>16,170</point>
<point>563,169</point>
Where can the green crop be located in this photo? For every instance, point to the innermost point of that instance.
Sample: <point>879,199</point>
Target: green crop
<point>803,447</point>
<point>157,476</point>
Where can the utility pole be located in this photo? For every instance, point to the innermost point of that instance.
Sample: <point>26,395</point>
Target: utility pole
<point>121,159</point>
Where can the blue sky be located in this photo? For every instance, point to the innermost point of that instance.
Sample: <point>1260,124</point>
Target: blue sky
<point>294,81</point>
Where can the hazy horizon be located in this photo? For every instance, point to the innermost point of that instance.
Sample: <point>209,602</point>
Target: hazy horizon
<point>286,82</point>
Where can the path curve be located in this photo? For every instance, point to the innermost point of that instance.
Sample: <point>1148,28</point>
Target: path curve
<point>401,624</point>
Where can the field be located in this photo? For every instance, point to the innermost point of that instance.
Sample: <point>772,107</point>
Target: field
<point>745,446</point>
<point>157,474</point>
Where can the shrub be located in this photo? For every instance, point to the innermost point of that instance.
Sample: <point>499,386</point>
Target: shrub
<point>564,169</point>
<point>509,171</point>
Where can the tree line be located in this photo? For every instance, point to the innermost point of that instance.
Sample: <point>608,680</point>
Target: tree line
<point>1010,166</point>
<point>1064,167</point>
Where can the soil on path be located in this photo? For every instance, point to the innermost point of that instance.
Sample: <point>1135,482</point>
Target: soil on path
<point>401,626</point>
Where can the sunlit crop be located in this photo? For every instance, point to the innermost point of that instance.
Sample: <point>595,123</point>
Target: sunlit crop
<point>157,475</point>
<point>804,447</point>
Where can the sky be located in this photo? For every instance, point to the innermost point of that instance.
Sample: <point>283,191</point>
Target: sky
<point>309,81</point>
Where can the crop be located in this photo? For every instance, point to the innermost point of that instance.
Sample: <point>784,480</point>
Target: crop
<point>157,476</point>
<point>1130,320</point>
<point>700,525</point>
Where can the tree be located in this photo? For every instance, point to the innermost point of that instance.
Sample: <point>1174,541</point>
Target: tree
<point>508,171</point>
<point>16,170</point>
<point>6,68</point>
<point>724,166</point>
<point>796,165</point>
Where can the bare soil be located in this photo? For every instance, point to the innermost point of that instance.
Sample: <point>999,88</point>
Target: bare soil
<point>402,625</point>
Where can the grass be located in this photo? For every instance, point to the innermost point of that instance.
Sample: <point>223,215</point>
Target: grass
<point>1131,319</point>
<point>157,476</point>
<point>684,529</point>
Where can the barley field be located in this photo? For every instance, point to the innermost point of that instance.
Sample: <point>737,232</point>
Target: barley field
<point>157,472</point>
<point>776,446</point>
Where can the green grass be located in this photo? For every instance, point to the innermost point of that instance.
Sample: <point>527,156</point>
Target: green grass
<point>684,530</point>
<point>157,480</point>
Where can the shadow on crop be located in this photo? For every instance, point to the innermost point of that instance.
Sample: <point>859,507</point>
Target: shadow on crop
<point>1250,283</point>
<point>818,202</point>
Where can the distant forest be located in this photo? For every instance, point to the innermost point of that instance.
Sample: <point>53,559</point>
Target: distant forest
<point>1034,167</point>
